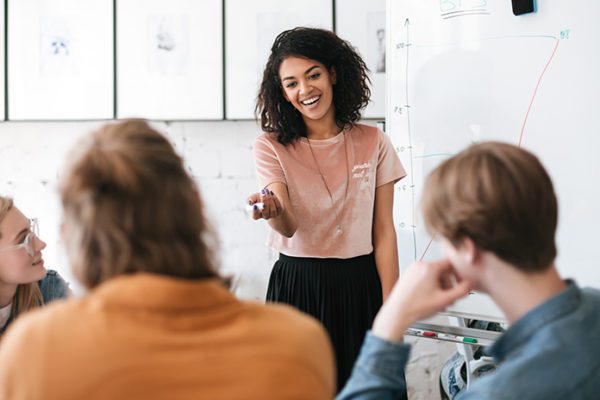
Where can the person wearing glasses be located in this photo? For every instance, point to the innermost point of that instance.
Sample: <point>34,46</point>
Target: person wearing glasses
<point>24,281</point>
<point>157,322</point>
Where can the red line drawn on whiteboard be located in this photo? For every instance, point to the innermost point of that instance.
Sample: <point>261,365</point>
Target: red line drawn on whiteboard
<point>427,248</point>
<point>535,91</point>
<point>522,133</point>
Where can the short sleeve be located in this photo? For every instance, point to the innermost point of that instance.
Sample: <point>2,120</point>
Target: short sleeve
<point>389,167</point>
<point>267,162</point>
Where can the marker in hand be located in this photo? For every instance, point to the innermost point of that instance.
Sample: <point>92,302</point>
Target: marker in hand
<point>264,205</point>
<point>255,206</point>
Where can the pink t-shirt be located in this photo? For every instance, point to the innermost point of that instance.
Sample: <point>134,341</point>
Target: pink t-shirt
<point>371,162</point>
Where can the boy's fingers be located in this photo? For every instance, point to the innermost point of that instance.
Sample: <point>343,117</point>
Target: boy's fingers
<point>442,265</point>
<point>457,291</point>
<point>446,281</point>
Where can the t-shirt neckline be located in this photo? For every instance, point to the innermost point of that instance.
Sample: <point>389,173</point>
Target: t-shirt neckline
<point>316,142</point>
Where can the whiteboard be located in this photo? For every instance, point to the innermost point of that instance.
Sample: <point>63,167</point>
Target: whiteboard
<point>170,59</point>
<point>362,23</point>
<point>463,71</point>
<point>60,59</point>
<point>251,29</point>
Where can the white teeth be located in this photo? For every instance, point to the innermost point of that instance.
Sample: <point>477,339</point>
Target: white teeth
<point>310,101</point>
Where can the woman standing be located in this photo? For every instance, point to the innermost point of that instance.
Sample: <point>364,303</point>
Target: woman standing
<point>328,187</point>
<point>24,282</point>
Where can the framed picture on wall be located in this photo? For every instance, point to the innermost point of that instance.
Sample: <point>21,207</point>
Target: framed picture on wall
<point>170,59</point>
<point>60,60</point>
<point>251,28</point>
<point>362,23</point>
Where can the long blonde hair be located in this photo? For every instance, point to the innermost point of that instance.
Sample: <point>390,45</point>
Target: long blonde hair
<point>28,295</point>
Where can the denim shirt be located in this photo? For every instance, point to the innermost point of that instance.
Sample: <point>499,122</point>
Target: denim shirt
<point>53,287</point>
<point>553,352</point>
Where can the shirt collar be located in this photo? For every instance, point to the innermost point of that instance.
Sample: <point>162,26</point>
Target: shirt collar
<point>161,292</point>
<point>521,331</point>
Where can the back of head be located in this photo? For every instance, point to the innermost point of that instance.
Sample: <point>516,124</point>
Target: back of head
<point>129,206</point>
<point>501,197</point>
<point>351,93</point>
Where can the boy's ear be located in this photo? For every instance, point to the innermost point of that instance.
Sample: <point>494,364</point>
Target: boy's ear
<point>469,250</point>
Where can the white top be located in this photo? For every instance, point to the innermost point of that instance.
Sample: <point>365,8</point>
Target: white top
<point>5,315</point>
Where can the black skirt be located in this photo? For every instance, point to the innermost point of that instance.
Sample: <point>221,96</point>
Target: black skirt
<point>344,294</point>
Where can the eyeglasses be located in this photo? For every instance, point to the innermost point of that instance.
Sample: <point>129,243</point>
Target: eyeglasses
<point>28,242</point>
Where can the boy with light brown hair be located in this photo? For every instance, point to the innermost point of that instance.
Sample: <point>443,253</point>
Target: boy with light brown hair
<point>494,207</point>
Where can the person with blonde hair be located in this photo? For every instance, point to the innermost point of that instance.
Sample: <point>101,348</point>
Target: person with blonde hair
<point>158,322</point>
<point>494,208</point>
<point>25,283</point>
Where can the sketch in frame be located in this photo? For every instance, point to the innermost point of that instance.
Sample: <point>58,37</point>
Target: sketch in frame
<point>168,45</point>
<point>58,47</point>
<point>376,42</point>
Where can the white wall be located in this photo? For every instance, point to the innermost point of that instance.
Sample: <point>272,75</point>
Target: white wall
<point>219,156</point>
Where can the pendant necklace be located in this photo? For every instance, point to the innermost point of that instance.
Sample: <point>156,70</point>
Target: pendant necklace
<point>337,216</point>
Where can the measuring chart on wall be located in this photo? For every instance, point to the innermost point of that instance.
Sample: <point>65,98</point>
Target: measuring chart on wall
<point>465,71</point>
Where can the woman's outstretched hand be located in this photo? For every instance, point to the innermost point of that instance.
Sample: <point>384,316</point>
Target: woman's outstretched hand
<point>265,205</point>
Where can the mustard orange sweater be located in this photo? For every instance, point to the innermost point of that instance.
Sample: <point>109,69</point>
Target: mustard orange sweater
<point>147,336</point>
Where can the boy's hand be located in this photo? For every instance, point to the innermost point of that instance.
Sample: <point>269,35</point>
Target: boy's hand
<point>423,289</point>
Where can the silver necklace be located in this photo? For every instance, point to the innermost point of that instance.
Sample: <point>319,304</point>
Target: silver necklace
<point>337,216</point>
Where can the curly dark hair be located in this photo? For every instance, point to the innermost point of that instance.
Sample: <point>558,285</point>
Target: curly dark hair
<point>351,92</point>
